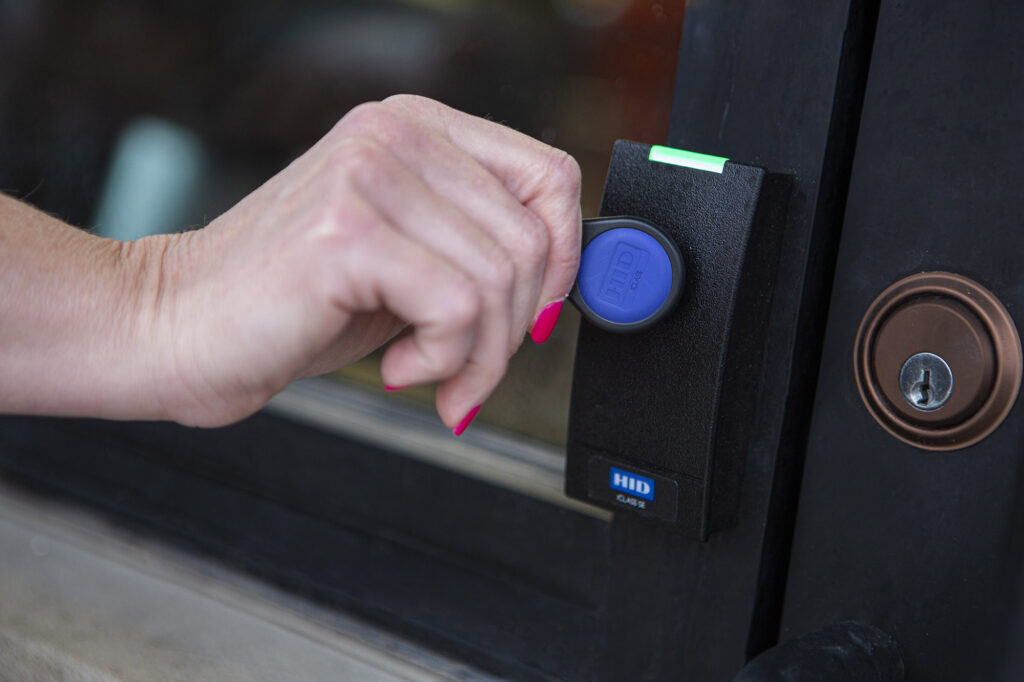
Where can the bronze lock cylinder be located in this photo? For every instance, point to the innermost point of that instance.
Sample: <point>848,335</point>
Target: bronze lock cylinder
<point>938,361</point>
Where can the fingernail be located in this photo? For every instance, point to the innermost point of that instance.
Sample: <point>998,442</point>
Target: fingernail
<point>545,323</point>
<point>461,427</point>
<point>392,389</point>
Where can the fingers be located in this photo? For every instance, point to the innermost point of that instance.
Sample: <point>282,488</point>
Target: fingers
<point>544,180</point>
<point>420,215</point>
<point>489,216</point>
<point>476,192</point>
<point>439,302</point>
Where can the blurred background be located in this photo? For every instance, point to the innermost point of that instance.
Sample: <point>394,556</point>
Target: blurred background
<point>131,118</point>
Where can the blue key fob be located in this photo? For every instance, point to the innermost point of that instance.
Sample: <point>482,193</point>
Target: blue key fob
<point>631,274</point>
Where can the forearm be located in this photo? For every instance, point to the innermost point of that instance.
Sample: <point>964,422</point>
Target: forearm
<point>406,214</point>
<point>74,319</point>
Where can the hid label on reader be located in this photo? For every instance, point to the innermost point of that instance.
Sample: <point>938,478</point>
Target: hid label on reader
<point>634,484</point>
<point>648,493</point>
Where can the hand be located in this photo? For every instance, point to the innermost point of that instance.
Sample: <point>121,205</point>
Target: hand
<point>407,215</point>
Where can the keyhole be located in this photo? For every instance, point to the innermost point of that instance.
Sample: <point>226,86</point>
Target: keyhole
<point>926,382</point>
<point>923,389</point>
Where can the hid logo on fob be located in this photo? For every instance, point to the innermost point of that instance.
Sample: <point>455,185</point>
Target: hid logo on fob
<point>641,486</point>
<point>624,274</point>
<point>631,274</point>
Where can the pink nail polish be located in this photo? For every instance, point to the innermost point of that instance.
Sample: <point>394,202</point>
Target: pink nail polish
<point>461,427</point>
<point>392,389</point>
<point>545,323</point>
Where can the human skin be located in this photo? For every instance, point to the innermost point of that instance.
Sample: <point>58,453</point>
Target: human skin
<point>408,218</point>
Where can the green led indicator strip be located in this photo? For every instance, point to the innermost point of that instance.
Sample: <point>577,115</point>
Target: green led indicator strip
<point>679,157</point>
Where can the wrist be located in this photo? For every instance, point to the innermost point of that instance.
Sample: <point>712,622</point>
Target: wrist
<point>121,290</point>
<point>181,364</point>
<point>152,273</point>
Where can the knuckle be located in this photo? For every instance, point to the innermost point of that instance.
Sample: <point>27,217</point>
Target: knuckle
<point>354,229</point>
<point>499,272</point>
<point>564,171</point>
<point>355,157</point>
<point>535,239</point>
<point>409,101</point>
<point>375,120</point>
<point>362,163</point>
<point>478,181</point>
<point>462,304</point>
<point>340,226</point>
<point>360,116</point>
<point>442,362</point>
<point>355,120</point>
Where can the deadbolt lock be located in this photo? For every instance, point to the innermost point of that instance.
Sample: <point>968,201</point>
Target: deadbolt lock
<point>938,361</point>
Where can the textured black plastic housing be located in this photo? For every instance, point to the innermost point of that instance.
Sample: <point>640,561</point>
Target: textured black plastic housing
<point>673,403</point>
